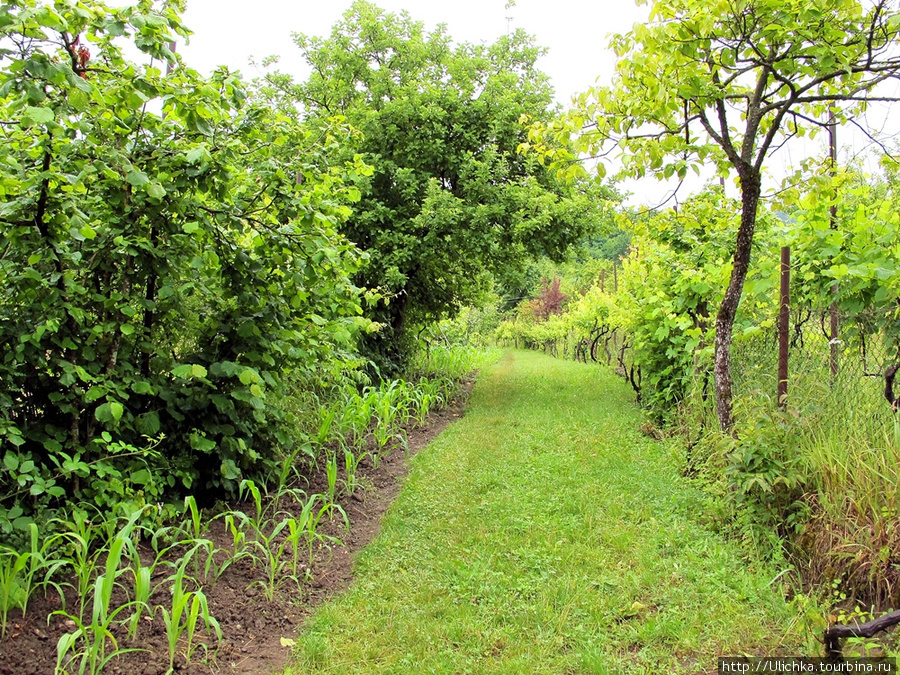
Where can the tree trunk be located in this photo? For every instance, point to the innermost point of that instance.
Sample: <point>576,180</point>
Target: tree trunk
<point>750,191</point>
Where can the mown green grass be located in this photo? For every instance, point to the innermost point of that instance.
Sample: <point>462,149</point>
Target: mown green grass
<point>544,534</point>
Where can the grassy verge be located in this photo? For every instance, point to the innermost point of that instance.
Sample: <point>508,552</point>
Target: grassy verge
<point>544,534</point>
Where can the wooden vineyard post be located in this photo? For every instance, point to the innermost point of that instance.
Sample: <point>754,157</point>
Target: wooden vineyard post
<point>783,320</point>
<point>833,309</point>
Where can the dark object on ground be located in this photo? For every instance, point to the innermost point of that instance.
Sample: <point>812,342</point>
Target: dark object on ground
<point>834,634</point>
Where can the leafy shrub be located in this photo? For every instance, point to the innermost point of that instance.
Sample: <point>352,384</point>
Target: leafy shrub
<point>766,474</point>
<point>170,257</point>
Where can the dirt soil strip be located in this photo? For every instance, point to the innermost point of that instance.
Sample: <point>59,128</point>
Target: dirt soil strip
<point>252,627</point>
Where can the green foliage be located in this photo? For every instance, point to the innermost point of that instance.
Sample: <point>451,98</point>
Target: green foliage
<point>451,199</point>
<point>848,256</point>
<point>726,84</point>
<point>170,258</point>
<point>731,75</point>
<point>671,284</point>
<point>613,247</point>
<point>766,477</point>
<point>668,287</point>
<point>183,617</point>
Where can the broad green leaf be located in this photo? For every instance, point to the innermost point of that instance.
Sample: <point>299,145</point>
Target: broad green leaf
<point>34,116</point>
<point>141,477</point>
<point>78,99</point>
<point>229,470</point>
<point>249,376</point>
<point>182,371</point>
<point>196,154</point>
<point>148,423</point>
<point>11,461</point>
<point>156,190</point>
<point>202,443</point>
<point>137,178</point>
<point>141,387</point>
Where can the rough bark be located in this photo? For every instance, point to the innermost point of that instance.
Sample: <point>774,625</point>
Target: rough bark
<point>750,192</point>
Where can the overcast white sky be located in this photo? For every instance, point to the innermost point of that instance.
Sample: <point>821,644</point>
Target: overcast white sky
<point>575,33</point>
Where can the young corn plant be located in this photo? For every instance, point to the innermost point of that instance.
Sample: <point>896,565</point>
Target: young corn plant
<point>201,553</point>
<point>95,637</point>
<point>311,528</point>
<point>290,468</point>
<point>143,588</point>
<point>326,426</point>
<point>358,415</point>
<point>182,618</point>
<point>429,398</point>
<point>94,640</point>
<point>261,515</point>
<point>266,547</point>
<point>425,405</point>
<point>190,534</point>
<point>179,543</point>
<point>385,437</point>
<point>331,476</point>
<point>12,583</point>
<point>79,535</point>
<point>42,567</point>
<point>192,526</point>
<point>399,394</point>
<point>391,411</point>
<point>300,529</point>
<point>292,539</point>
<point>236,526</point>
<point>351,464</point>
<point>269,552</point>
<point>265,507</point>
<point>23,573</point>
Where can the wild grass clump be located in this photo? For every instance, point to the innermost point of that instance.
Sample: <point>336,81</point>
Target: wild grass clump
<point>455,362</point>
<point>819,479</point>
<point>853,535</point>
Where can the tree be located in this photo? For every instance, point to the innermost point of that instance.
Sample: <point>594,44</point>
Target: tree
<point>451,199</point>
<point>162,270</point>
<point>675,274</point>
<point>548,301</point>
<point>730,81</point>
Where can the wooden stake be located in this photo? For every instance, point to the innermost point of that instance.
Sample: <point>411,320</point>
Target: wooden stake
<point>833,310</point>
<point>784,317</point>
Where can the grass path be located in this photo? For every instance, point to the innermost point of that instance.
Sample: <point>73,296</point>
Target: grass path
<point>544,534</point>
